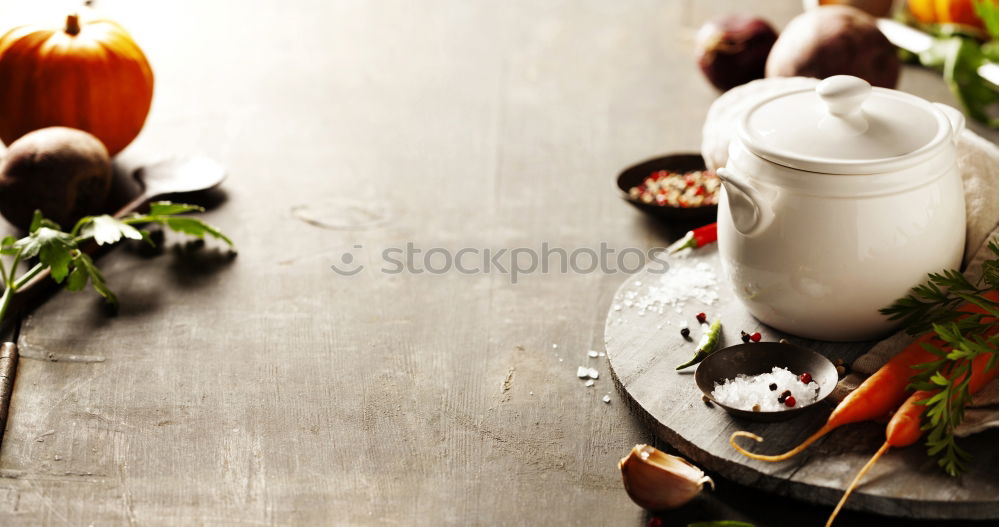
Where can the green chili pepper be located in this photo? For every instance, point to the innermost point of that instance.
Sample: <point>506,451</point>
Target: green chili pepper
<point>707,345</point>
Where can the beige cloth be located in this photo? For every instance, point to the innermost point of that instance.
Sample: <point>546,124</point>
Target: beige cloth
<point>980,167</point>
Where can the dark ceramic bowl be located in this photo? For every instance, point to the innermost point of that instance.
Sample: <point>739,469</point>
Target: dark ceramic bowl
<point>635,174</point>
<point>760,357</point>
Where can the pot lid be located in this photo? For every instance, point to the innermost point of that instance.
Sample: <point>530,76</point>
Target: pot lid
<point>844,126</point>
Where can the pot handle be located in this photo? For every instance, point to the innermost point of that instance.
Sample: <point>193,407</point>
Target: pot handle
<point>955,117</point>
<point>746,205</point>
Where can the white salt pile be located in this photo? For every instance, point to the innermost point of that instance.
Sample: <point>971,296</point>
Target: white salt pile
<point>746,392</point>
<point>682,282</point>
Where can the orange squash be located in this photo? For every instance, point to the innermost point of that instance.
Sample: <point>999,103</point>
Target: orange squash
<point>88,75</point>
<point>946,12</point>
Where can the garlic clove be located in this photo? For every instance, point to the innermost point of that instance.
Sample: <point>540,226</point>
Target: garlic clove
<point>658,481</point>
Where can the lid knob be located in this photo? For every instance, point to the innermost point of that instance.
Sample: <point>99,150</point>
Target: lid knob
<point>843,94</point>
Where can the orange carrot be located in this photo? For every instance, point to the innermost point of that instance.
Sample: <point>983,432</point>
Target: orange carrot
<point>877,396</point>
<point>904,427</point>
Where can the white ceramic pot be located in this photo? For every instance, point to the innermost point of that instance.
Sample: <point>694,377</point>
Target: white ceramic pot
<point>837,201</point>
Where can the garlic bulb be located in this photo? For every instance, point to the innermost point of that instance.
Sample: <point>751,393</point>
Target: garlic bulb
<point>658,481</point>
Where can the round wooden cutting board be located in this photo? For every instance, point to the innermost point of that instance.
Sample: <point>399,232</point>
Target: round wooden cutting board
<point>645,345</point>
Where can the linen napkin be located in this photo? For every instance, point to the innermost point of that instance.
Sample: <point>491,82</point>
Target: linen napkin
<point>979,165</point>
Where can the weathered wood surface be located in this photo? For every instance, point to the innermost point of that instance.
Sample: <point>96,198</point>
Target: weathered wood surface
<point>269,390</point>
<point>643,348</point>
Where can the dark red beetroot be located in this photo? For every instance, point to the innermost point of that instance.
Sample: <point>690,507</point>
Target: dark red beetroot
<point>733,49</point>
<point>835,40</point>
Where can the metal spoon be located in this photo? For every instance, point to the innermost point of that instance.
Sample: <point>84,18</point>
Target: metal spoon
<point>173,176</point>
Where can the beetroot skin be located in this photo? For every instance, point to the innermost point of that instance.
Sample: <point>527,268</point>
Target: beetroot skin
<point>733,49</point>
<point>835,40</point>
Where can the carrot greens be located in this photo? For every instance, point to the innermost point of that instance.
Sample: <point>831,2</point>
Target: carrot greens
<point>966,335</point>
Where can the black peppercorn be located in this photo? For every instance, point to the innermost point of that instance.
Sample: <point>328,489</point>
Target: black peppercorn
<point>685,332</point>
<point>773,386</point>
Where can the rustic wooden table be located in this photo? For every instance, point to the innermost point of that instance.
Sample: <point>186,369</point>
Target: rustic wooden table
<point>270,389</point>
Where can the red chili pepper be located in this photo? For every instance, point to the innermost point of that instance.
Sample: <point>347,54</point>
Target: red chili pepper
<point>699,237</point>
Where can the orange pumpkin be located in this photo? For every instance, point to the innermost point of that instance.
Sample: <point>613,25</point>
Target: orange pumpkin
<point>946,12</point>
<point>88,75</point>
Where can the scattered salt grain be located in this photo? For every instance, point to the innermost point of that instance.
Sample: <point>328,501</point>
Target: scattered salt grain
<point>555,346</point>
<point>601,354</point>
<point>684,281</point>
<point>592,354</point>
<point>589,383</point>
<point>582,372</point>
<point>593,373</point>
<point>746,391</point>
<point>606,399</point>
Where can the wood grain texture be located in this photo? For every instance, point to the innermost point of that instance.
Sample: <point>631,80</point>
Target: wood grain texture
<point>644,347</point>
<point>269,390</point>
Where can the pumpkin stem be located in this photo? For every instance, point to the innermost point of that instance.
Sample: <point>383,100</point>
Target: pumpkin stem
<point>73,24</point>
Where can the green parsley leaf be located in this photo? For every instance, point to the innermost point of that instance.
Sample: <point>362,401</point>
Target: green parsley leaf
<point>196,228</point>
<point>84,269</point>
<point>166,208</point>
<point>105,229</point>
<point>52,247</point>
<point>38,221</point>
<point>163,212</point>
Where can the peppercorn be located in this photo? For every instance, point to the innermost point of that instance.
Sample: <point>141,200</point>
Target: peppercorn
<point>805,378</point>
<point>773,386</point>
<point>701,318</point>
<point>756,408</point>
<point>790,401</point>
<point>782,397</point>
<point>841,371</point>
<point>745,337</point>
<point>755,336</point>
<point>685,332</point>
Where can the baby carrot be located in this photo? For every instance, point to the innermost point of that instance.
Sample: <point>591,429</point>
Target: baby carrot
<point>904,428</point>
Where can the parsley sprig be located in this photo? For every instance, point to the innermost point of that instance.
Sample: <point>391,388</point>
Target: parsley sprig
<point>60,252</point>
<point>933,306</point>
